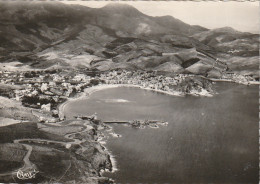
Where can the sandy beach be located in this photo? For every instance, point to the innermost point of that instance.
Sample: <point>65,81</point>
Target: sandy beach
<point>8,121</point>
<point>88,91</point>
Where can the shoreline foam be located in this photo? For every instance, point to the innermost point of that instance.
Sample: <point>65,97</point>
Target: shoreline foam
<point>88,91</point>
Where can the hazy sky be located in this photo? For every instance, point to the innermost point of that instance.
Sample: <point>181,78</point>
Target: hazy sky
<point>243,16</point>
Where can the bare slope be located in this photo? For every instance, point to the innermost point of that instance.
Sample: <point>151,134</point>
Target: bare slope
<point>54,35</point>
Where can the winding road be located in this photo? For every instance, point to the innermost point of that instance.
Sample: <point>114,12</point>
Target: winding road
<point>28,165</point>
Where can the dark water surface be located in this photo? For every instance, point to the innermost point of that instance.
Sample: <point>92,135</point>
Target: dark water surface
<point>208,139</point>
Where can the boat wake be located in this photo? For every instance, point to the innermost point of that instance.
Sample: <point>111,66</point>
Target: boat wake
<point>116,101</point>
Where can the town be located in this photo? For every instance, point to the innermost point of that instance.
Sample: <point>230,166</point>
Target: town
<point>45,90</point>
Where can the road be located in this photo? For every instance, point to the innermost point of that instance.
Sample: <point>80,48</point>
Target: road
<point>28,165</point>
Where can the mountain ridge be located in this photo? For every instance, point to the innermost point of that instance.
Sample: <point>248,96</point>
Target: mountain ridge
<point>115,35</point>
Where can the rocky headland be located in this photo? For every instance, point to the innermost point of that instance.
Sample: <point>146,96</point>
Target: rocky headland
<point>32,104</point>
<point>52,53</point>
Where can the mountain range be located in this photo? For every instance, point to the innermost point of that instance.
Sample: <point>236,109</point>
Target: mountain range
<point>51,35</point>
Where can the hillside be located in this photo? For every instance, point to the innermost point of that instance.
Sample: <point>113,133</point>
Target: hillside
<point>230,41</point>
<point>54,35</point>
<point>53,55</point>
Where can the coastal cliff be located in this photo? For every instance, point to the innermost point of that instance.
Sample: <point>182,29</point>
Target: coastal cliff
<point>53,52</point>
<point>68,152</point>
<point>34,108</point>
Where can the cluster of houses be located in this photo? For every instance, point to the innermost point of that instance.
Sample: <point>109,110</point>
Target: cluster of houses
<point>144,79</point>
<point>45,90</point>
<point>243,79</point>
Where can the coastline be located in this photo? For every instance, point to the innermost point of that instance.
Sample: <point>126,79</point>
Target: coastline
<point>101,141</point>
<point>86,94</point>
<point>230,80</point>
<point>88,91</point>
<point>112,160</point>
<point>8,121</point>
